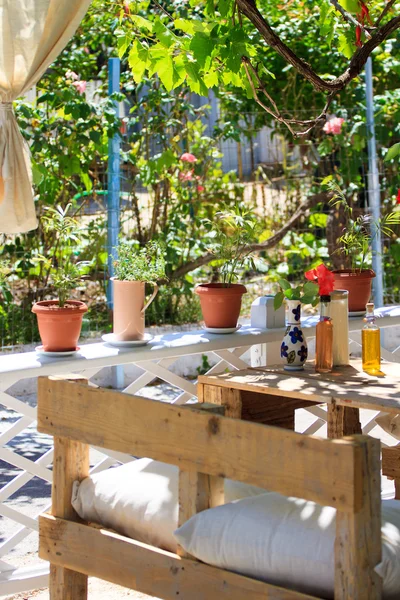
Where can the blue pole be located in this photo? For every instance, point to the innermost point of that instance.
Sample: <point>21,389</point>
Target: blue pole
<point>113,185</point>
<point>113,179</point>
<point>374,195</point>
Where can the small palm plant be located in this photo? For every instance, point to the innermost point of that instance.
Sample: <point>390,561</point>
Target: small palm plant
<point>359,232</point>
<point>60,321</point>
<point>232,232</point>
<point>62,271</point>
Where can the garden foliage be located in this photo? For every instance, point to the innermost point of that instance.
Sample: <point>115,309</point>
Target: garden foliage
<point>167,55</point>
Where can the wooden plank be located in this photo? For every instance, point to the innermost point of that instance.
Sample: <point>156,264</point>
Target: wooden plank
<point>71,463</point>
<point>270,410</point>
<point>347,386</point>
<point>391,462</point>
<point>358,545</point>
<point>271,458</point>
<point>343,421</point>
<point>147,569</point>
<point>229,398</point>
<point>391,467</point>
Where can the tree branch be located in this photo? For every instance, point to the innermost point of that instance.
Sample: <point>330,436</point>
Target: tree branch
<point>357,62</point>
<point>385,11</point>
<point>349,18</point>
<point>276,114</point>
<point>258,247</point>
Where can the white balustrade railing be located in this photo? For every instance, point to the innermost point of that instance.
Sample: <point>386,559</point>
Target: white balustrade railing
<point>155,362</point>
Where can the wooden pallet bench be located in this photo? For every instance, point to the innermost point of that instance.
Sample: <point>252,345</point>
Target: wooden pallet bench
<point>207,447</point>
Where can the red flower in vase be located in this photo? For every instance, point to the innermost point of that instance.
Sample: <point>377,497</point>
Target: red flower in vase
<point>324,277</point>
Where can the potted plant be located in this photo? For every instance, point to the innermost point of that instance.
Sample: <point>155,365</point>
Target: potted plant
<point>60,320</point>
<point>294,350</point>
<point>232,232</point>
<point>134,267</point>
<point>355,243</point>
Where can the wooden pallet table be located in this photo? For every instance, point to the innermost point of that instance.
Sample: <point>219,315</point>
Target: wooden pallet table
<point>271,395</point>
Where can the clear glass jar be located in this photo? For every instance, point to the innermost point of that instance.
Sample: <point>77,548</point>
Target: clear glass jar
<point>340,320</point>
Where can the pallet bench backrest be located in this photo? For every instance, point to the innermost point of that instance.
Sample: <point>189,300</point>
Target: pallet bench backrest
<point>206,447</point>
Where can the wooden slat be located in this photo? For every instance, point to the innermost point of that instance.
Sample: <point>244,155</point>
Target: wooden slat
<point>391,462</point>
<point>146,569</point>
<point>391,467</point>
<point>346,386</point>
<point>358,545</point>
<point>270,410</point>
<point>271,458</point>
<point>343,421</point>
<point>71,463</point>
<point>226,397</point>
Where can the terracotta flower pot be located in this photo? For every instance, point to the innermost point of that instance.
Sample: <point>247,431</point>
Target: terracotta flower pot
<point>59,328</point>
<point>220,305</point>
<point>358,284</point>
<point>129,309</point>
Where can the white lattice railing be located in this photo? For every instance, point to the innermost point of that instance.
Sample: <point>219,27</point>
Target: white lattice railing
<point>154,361</point>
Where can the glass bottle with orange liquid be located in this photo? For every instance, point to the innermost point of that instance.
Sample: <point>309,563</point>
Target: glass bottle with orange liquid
<point>324,338</point>
<point>371,342</point>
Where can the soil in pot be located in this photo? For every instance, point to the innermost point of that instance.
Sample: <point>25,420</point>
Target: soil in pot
<point>59,328</point>
<point>220,304</point>
<point>358,284</point>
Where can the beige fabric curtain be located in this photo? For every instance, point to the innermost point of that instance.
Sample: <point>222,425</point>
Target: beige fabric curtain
<point>32,33</point>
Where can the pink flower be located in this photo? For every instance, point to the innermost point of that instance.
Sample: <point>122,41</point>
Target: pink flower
<point>187,157</point>
<point>80,86</point>
<point>186,176</point>
<point>71,75</point>
<point>334,125</point>
<point>86,49</point>
<point>200,188</point>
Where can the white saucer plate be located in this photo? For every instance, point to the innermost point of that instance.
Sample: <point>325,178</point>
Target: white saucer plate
<point>357,313</point>
<point>221,329</point>
<point>110,338</point>
<point>39,350</point>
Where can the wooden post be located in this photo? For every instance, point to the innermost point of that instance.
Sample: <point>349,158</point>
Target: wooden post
<point>198,491</point>
<point>71,463</point>
<point>228,397</point>
<point>358,545</point>
<point>391,467</point>
<point>342,421</point>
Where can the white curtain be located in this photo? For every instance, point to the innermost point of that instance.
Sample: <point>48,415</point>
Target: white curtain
<point>32,34</point>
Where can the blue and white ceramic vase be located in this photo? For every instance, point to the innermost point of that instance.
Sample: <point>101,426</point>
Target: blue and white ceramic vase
<point>294,349</point>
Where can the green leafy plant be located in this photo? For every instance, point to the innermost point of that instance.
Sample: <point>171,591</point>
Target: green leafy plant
<point>140,264</point>
<point>60,267</point>
<point>359,232</point>
<point>307,293</point>
<point>5,291</point>
<point>232,231</point>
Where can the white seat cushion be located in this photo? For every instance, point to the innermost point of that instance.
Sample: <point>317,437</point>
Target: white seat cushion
<point>284,541</point>
<point>140,500</point>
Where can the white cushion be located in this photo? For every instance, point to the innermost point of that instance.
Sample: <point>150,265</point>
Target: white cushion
<point>140,500</point>
<point>284,541</point>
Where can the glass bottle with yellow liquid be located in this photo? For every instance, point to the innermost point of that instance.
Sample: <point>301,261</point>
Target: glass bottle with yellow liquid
<point>371,342</point>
